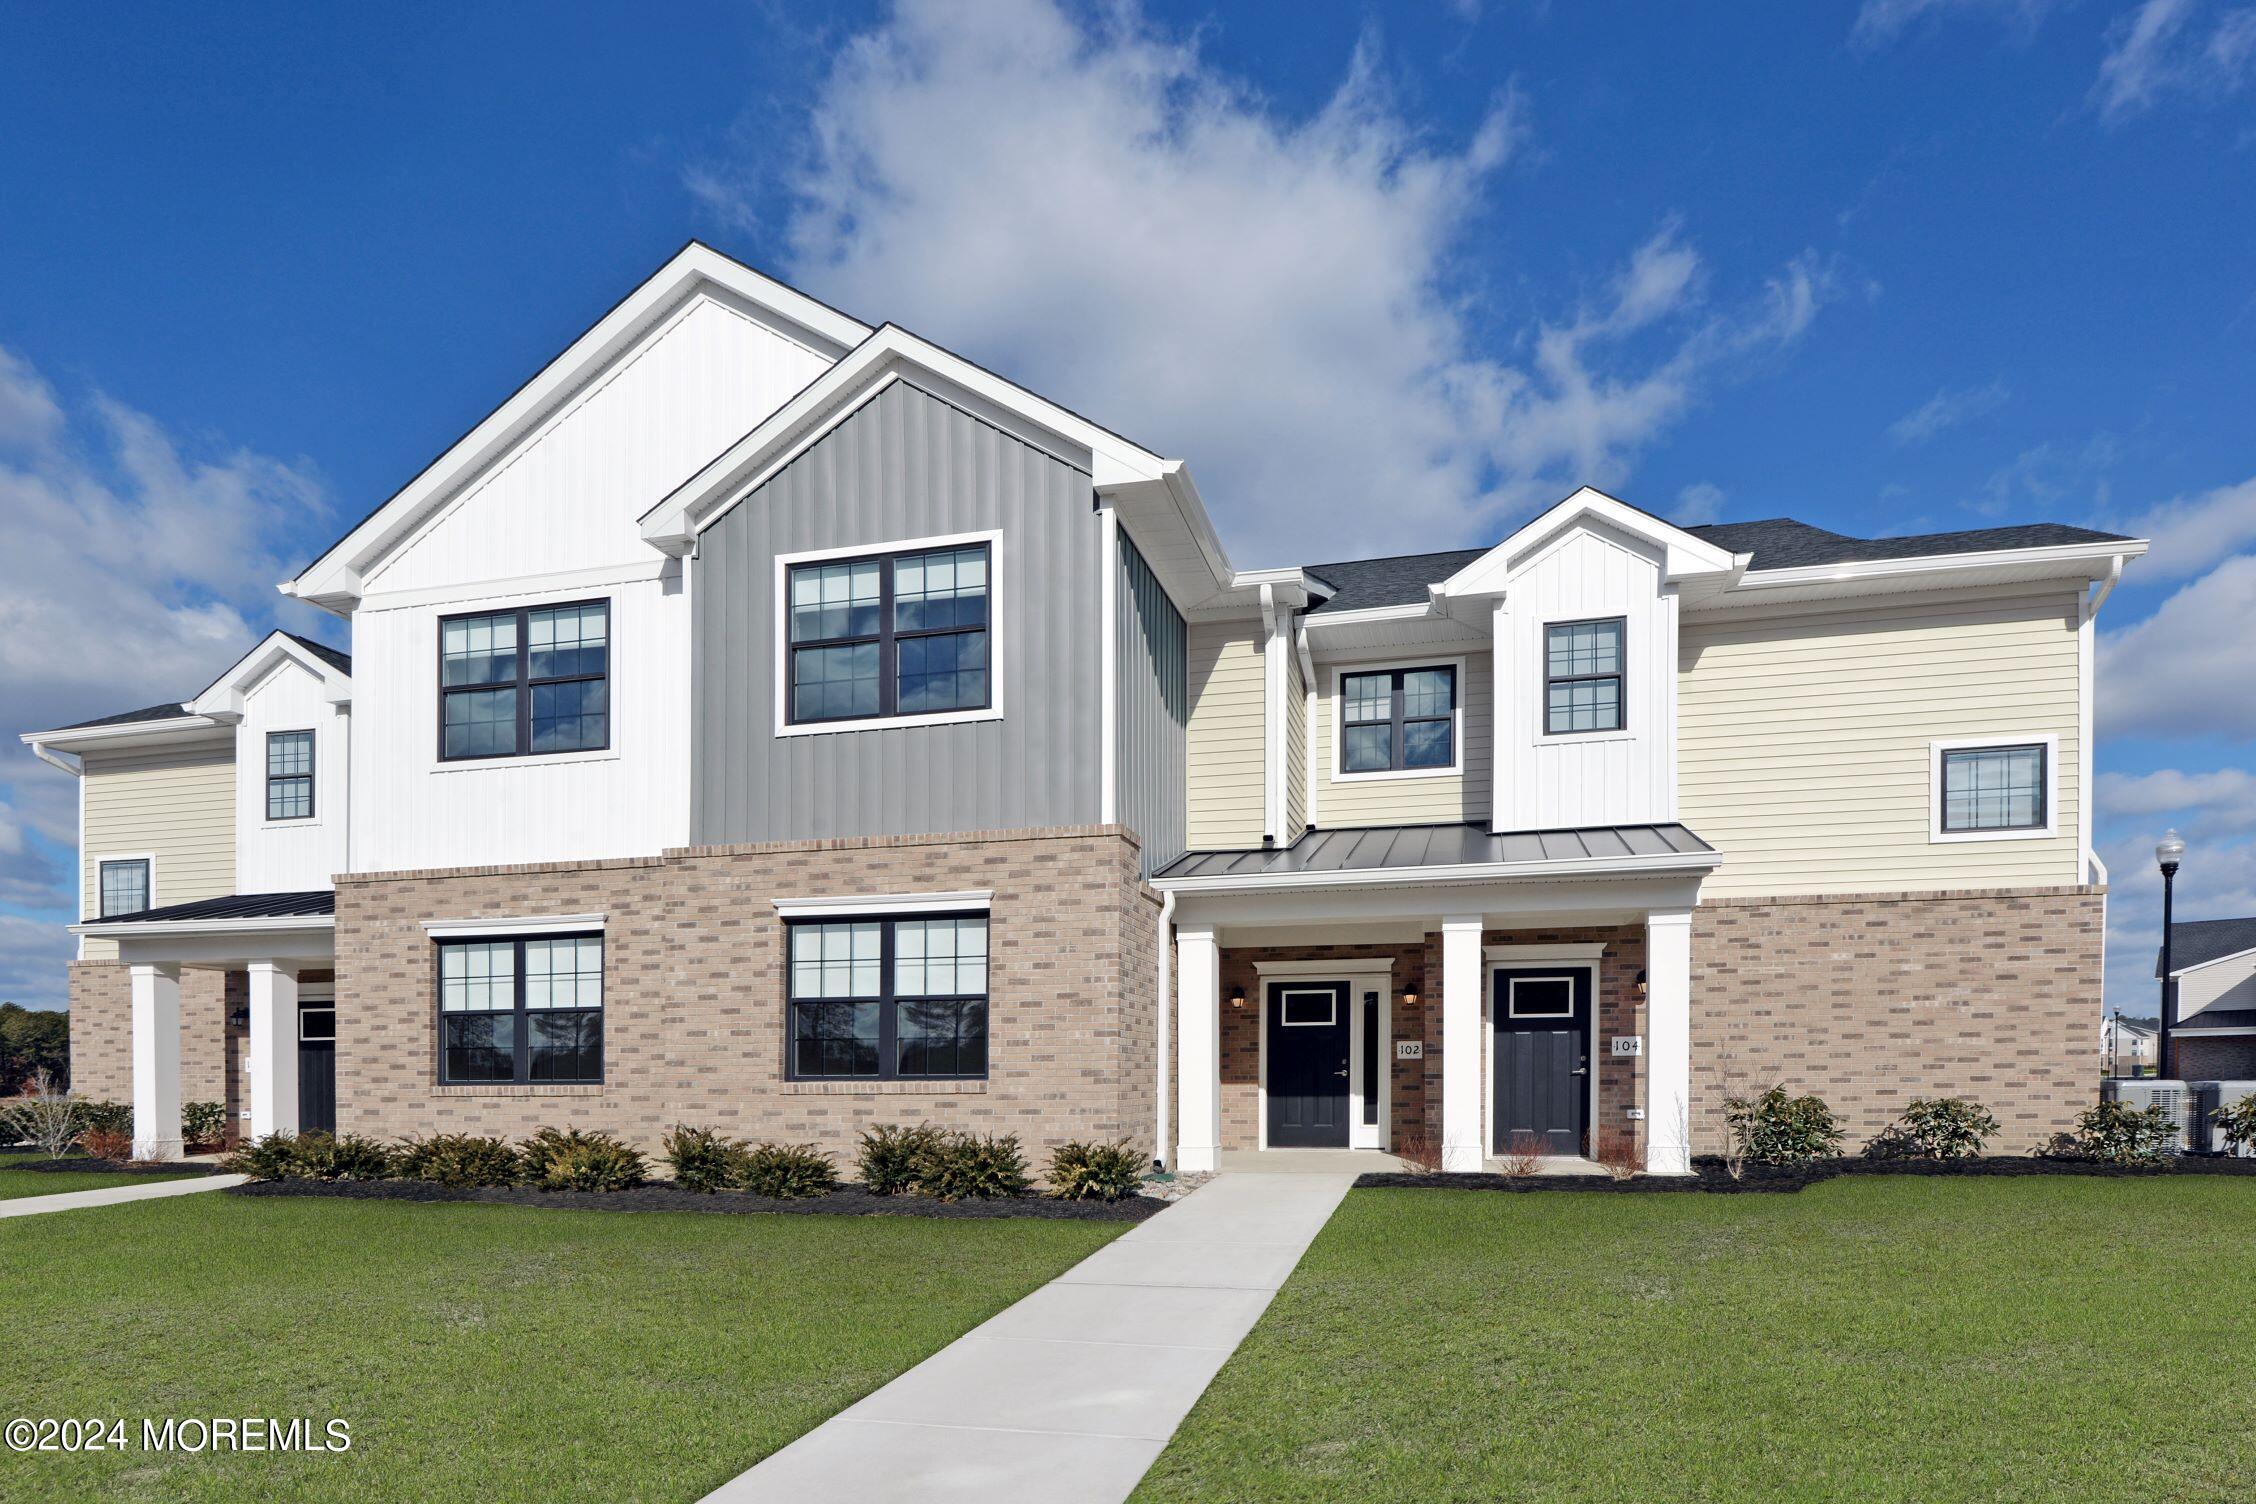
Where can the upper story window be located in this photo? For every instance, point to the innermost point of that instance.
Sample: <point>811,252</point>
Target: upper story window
<point>1582,676</point>
<point>886,999</point>
<point>1994,789</point>
<point>125,886</point>
<point>289,775</point>
<point>514,683</point>
<point>521,1009</point>
<point>1398,720</point>
<point>889,635</point>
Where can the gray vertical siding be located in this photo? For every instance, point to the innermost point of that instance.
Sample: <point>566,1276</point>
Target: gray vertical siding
<point>1155,709</point>
<point>908,465</point>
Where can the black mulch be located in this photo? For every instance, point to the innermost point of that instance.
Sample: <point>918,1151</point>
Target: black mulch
<point>850,1202</point>
<point>1709,1174</point>
<point>83,1164</point>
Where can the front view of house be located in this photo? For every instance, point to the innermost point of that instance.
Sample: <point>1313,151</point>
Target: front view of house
<point>922,756</point>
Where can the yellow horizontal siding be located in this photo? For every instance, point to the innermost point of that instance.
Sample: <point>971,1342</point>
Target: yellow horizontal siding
<point>1224,738</point>
<point>177,804</point>
<point>1409,801</point>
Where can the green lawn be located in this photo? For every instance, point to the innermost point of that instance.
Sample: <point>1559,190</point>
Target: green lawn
<point>480,1352</point>
<point>15,1182</point>
<point>1894,1339</point>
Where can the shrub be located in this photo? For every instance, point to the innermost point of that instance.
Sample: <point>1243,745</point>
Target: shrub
<point>460,1159</point>
<point>1617,1155</point>
<point>706,1161</point>
<point>891,1156</point>
<point>1522,1156</point>
<point>1095,1172</point>
<point>2117,1133</point>
<point>960,1165</point>
<point>202,1122</point>
<point>1935,1128</point>
<point>47,1114</point>
<point>788,1171</point>
<point>1776,1129</point>
<point>350,1156</point>
<point>114,1115</point>
<point>2237,1122</point>
<point>268,1158</point>
<point>574,1159</point>
<point>1419,1151</point>
<point>107,1143</point>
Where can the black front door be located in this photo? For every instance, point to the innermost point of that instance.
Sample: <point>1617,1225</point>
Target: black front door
<point>317,1068</point>
<point>1542,1060</point>
<point>1308,1029</point>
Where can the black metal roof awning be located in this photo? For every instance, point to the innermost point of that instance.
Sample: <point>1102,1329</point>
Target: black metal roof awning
<point>1379,849</point>
<point>233,906</point>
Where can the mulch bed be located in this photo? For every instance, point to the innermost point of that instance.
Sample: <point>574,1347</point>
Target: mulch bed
<point>82,1164</point>
<point>849,1202</point>
<point>1709,1175</point>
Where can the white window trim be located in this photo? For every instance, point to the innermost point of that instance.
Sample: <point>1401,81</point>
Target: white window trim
<point>480,929</point>
<point>1512,998</point>
<point>1938,836</point>
<point>1495,958</point>
<point>1456,768</point>
<point>1362,974</point>
<point>992,537</point>
<point>95,894</point>
<point>1541,681</point>
<point>1286,994</point>
<point>885,905</point>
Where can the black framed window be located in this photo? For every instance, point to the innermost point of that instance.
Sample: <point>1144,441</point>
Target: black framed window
<point>890,635</point>
<point>1582,676</point>
<point>886,999</point>
<point>1994,788</point>
<point>124,886</point>
<point>521,1009</point>
<point>1398,720</point>
<point>289,775</point>
<point>516,683</point>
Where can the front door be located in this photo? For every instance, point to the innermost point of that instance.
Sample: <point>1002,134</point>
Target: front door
<point>317,1068</point>
<point>1308,1029</point>
<point>1542,1060</point>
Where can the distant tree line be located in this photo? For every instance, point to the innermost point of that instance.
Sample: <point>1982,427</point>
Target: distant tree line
<point>32,1039</point>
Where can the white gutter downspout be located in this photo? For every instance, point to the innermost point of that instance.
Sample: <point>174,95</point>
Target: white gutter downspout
<point>1308,711</point>
<point>2087,651</point>
<point>1163,1154</point>
<point>1272,720</point>
<point>1108,667</point>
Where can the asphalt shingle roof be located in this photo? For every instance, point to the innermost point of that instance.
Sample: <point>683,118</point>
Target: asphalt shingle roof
<point>234,906</point>
<point>2195,942</point>
<point>164,712</point>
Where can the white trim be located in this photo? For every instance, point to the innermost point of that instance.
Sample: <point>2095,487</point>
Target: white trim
<point>1684,554</point>
<point>1273,730</point>
<point>1456,768</point>
<point>874,904</point>
<point>1328,970</point>
<point>2179,971</point>
<point>992,537</point>
<point>1286,993</point>
<point>1466,872</point>
<point>1108,664</point>
<point>161,928</point>
<point>1512,998</point>
<point>496,764</point>
<point>147,858</point>
<point>1871,569</point>
<point>1359,974</point>
<point>1311,705</point>
<point>1538,955</point>
<point>1372,616</point>
<point>2216,1029</point>
<point>124,731</point>
<point>545,924</point>
<point>1937,836</point>
<point>1490,966</point>
<point>522,588</point>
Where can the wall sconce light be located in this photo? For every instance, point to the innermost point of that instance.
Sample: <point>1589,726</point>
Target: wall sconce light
<point>1640,983</point>
<point>1237,997</point>
<point>1410,1000</point>
<point>239,1019</point>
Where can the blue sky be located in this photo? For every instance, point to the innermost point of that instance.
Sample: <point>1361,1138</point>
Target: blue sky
<point>1387,277</point>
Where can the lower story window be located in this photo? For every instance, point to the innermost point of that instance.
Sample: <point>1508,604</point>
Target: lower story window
<point>886,999</point>
<point>521,1009</point>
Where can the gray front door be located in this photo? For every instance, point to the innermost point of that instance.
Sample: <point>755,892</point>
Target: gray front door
<point>1542,1059</point>
<point>1308,1030</point>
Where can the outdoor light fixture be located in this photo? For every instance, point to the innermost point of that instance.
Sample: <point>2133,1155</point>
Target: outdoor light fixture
<point>2167,854</point>
<point>1641,982</point>
<point>1237,997</point>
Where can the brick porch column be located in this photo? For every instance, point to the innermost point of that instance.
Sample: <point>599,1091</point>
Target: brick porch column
<point>1461,1052</point>
<point>274,1048</point>
<point>156,1061</point>
<point>1668,1042</point>
<point>1198,1075</point>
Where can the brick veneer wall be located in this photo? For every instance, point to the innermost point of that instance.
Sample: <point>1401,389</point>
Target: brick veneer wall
<point>1873,999</point>
<point>694,1019</point>
<point>215,1063</point>
<point>2216,1058</point>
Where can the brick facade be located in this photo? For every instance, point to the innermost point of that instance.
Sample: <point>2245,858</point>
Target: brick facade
<point>214,1059</point>
<point>2214,1058</point>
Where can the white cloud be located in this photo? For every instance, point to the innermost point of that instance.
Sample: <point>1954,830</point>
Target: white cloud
<point>1288,302</point>
<point>2043,476</point>
<point>2192,533</point>
<point>2218,881</point>
<point>1879,22</point>
<point>1698,503</point>
<point>2221,799</point>
<point>33,954</point>
<point>1947,410</point>
<point>2181,47</point>
<point>2185,670</point>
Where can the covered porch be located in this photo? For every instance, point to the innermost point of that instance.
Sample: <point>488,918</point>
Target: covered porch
<point>282,946</point>
<point>1438,993</point>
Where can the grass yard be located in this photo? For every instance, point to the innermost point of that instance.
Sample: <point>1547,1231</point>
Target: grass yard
<point>479,1352</point>
<point>15,1182</point>
<point>1882,1339</point>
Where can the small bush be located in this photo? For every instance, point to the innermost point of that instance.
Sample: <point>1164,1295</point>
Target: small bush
<point>706,1161</point>
<point>2237,1122</point>
<point>111,1115</point>
<point>107,1143</point>
<point>460,1159</point>
<point>1617,1155</point>
<point>1095,1172</point>
<point>788,1171</point>
<point>1522,1155</point>
<point>1935,1128</point>
<point>1419,1151</point>
<point>574,1159</point>
<point>891,1157</point>
<point>268,1158</point>
<point>960,1165</point>
<point>322,1156</point>
<point>1776,1129</point>
<point>2117,1133</point>
<point>202,1122</point>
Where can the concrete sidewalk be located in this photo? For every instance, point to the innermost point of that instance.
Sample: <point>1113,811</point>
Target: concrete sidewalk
<point>65,1201</point>
<point>1071,1394</point>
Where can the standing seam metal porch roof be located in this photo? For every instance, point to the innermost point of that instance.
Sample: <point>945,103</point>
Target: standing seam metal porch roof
<point>1380,848</point>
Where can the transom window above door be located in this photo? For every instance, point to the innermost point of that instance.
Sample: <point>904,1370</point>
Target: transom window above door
<point>1398,720</point>
<point>526,682</point>
<point>890,636</point>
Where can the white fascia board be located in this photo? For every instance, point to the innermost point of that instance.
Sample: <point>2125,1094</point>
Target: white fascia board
<point>2218,1029</point>
<point>158,929</point>
<point>1371,616</point>
<point>544,924</point>
<point>1685,555</point>
<point>2085,560</point>
<point>877,904</point>
<point>334,579</point>
<point>74,766</point>
<point>1458,874</point>
<point>94,738</point>
<point>223,699</point>
<point>2238,955</point>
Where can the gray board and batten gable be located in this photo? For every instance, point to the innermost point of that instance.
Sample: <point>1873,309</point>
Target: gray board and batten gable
<point>906,466</point>
<point>1155,711</point>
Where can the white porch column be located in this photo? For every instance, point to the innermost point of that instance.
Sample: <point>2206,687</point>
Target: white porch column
<point>274,1049</point>
<point>1668,1042</point>
<point>156,1061</point>
<point>1461,1050</point>
<point>1198,1071</point>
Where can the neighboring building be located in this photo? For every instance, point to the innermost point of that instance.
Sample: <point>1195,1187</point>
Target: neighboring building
<point>2213,978</point>
<point>775,722</point>
<point>2126,1046</point>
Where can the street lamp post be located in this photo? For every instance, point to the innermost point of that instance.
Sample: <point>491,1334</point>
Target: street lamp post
<point>2167,855</point>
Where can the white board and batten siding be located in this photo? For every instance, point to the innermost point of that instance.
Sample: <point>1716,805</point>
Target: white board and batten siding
<point>1806,739</point>
<point>555,520</point>
<point>175,805</point>
<point>289,856</point>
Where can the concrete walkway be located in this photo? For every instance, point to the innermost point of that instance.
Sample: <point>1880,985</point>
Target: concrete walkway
<point>1071,1394</point>
<point>67,1201</point>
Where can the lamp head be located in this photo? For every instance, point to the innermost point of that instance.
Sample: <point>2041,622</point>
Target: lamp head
<point>2170,851</point>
